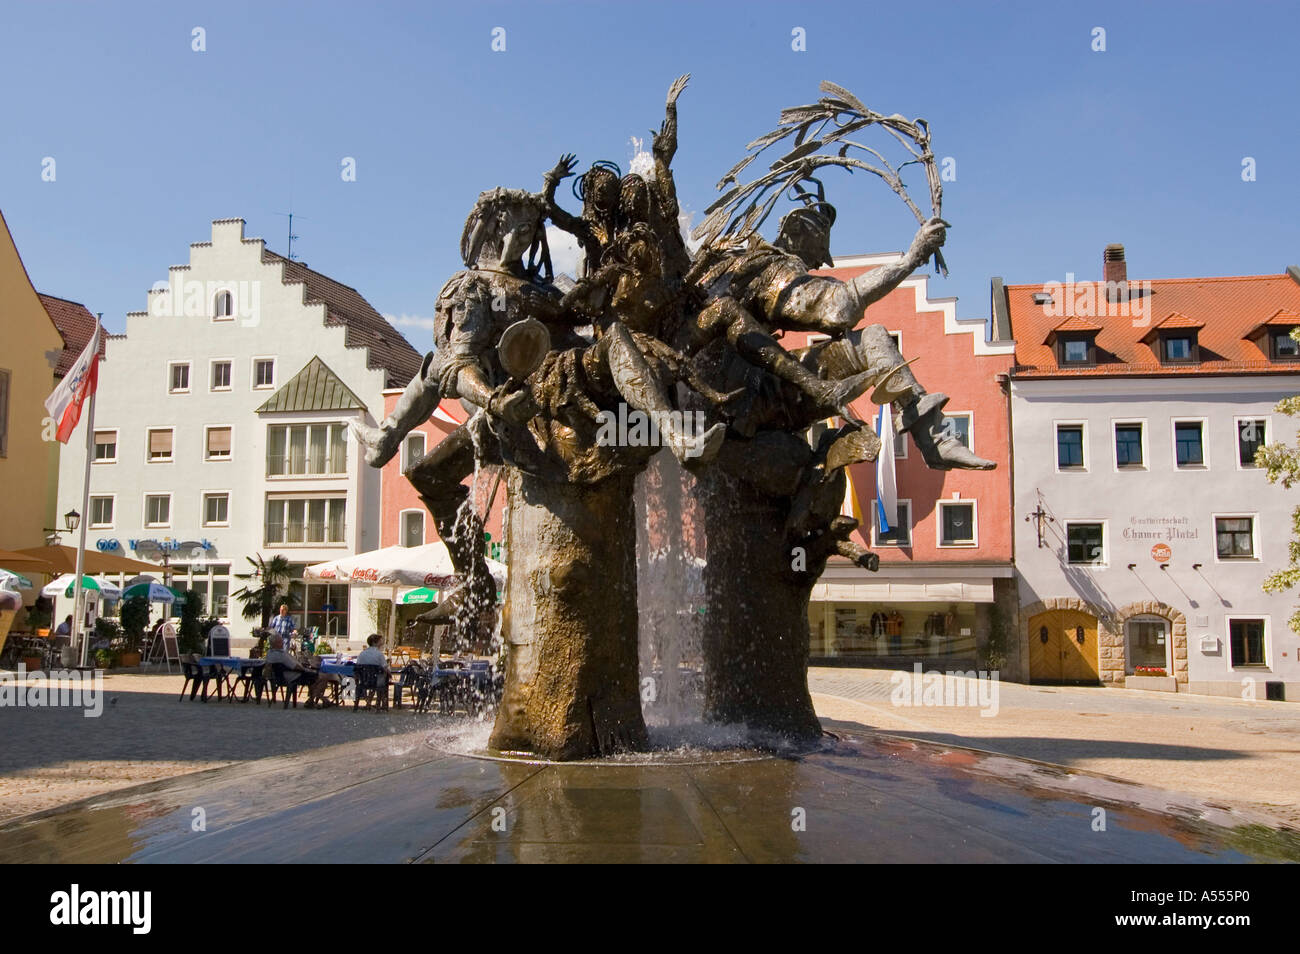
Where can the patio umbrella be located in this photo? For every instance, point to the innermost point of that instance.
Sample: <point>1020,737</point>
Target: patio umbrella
<point>61,559</point>
<point>65,585</point>
<point>25,562</point>
<point>10,580</point>
<point>153,592</point>
<point>428,565</point>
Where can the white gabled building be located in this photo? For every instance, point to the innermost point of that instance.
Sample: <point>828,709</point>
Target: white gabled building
<point>1144,530</point>
<point>221,427</point>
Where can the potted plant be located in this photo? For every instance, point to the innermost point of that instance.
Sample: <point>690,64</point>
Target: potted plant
<point>105,659</point>
<point>135,617</point>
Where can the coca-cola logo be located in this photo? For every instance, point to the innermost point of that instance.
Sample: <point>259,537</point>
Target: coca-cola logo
<point>433,579</point>
<point>367,574</point>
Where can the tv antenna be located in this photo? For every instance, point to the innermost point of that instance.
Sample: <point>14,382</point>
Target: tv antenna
<point>289,250</point>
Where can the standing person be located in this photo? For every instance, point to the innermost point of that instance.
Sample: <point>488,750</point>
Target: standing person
<point>282,625</point>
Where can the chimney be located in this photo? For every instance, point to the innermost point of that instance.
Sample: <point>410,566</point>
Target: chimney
<point>1114,271</point>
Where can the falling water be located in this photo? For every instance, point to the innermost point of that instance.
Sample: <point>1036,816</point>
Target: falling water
<point>670,558</point>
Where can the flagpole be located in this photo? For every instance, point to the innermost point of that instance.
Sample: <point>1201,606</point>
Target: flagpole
<point>79,620</point>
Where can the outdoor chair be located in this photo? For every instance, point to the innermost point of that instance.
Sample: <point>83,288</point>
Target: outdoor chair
<point>277,684</point>
<point>196,676</point>
<point>251,678</point>
<point>372,685</point>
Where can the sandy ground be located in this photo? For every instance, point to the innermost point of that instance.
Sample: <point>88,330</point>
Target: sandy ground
<point>1244,753</point>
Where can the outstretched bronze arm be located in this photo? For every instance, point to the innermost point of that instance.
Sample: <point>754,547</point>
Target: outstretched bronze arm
<point>876,284</point>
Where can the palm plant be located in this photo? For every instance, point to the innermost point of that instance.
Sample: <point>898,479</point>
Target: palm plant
<point>266,587</point>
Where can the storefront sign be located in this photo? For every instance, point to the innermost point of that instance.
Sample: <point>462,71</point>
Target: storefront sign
<point>1167,529</point>
<point>1161,553</point>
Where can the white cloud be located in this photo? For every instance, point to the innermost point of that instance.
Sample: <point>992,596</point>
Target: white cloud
<point>566,255</point>
<point>410,321</point>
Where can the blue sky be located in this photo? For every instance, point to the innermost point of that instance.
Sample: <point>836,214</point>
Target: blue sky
<point>1059,149</point>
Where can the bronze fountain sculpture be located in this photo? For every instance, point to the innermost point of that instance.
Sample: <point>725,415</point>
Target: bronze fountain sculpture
<point>689,342</point>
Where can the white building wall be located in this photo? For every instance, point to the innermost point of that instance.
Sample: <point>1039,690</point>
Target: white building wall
<point>271,320</point>
<point>1207,596</point>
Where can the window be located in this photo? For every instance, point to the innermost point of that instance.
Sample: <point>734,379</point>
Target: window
<point>180,378</point>
<point>413,450</point>
<point>223,306</point>
<point>101,512</point>
<point>218,444</point>
<point>1128,446</point>
<point>1252,434</point>
<point>158,510</point>
<point>412,528</point>
<point>160,445</point>
<point>1246,637</point>
<point>1148,643</point>
<point>1085,543</point>
<point>1076,348</point>
<point>221,375</point>
<point>295,450</point>
<point>4,413</point>
<point>1282,347</point>
<point>1069,447</point>
<point>1179,348</point>
<point>958,426</point>
<point>105,447</point>
<point>1074,351</point>
<point>216,510</point>
<point>1235,537</point>
<point>899,533</point>
<point>956,523</point>
<point>305,521</point>
<point>1188,449</point>
<point>263,372</point>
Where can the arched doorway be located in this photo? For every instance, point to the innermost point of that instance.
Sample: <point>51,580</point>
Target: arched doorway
<point>1063,647</point>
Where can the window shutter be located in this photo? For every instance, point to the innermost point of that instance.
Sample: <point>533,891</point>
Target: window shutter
<point>160,443</point>
<point>218,441</point>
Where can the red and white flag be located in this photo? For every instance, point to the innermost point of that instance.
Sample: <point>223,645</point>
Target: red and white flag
<point>78,384</point>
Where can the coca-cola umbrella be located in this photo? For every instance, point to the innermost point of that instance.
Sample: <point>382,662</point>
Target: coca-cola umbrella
<point>393,567</point>
<point>427,565</point>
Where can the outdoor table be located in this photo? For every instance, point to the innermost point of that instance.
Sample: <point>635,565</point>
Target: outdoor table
<point>346,672</point>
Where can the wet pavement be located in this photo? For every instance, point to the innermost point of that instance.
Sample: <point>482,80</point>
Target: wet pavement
<point>859,797</point>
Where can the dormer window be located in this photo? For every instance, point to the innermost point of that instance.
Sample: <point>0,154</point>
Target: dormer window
<point>1076,349</point>
<point>1282,347</point>
<point>1179,347</point>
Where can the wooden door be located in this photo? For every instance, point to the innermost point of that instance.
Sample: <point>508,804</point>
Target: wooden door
<point>1063,647</point>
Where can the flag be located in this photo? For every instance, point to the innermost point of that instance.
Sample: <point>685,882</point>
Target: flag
<point>78,384</point>
<point>886,481</point>
<point>850,506</point>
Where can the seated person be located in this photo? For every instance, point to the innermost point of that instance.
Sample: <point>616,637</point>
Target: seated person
<point>295,672</point>
<point>64,628</point>
<point>372,655</point>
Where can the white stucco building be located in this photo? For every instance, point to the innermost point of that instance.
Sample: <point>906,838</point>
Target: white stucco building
<point>221,427</point>
<point>1144,530</point>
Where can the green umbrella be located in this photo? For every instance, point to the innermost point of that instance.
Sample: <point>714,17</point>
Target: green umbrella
<point>424,594</point>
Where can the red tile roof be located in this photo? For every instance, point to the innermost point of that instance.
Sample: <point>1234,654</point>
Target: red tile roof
<point>76,324</point>
<point>366,328</point>
<point>1226,310</point>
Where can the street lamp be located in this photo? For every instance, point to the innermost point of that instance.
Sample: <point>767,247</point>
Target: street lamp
<point>71,520</point>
